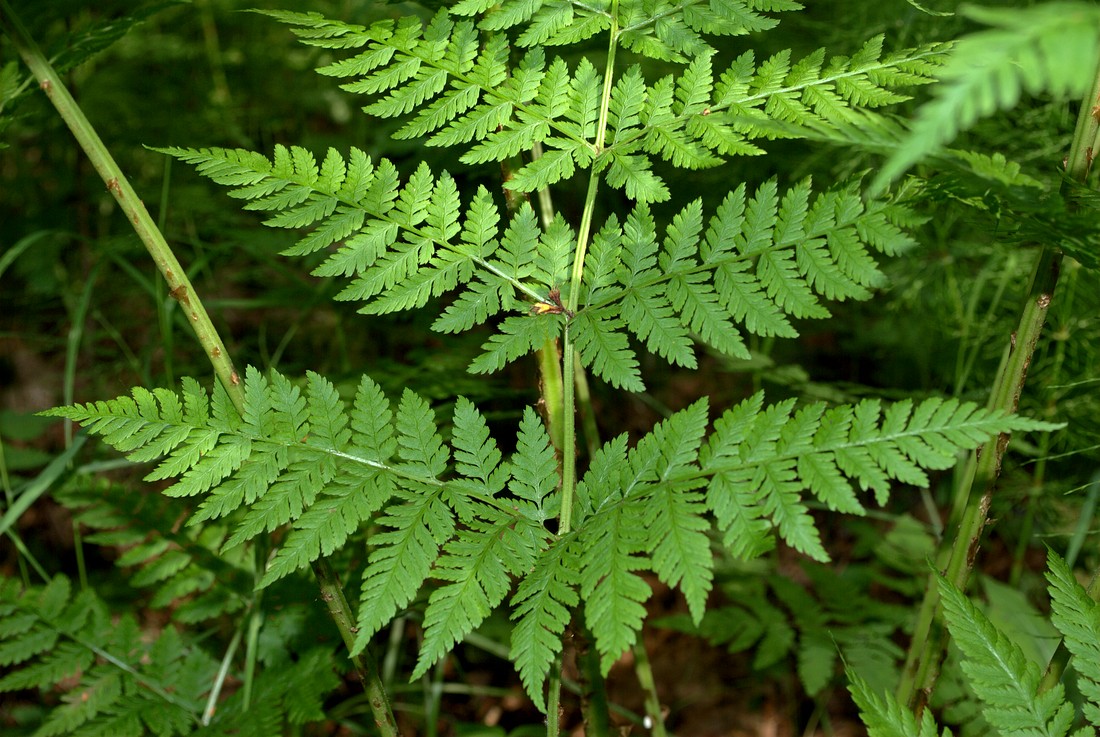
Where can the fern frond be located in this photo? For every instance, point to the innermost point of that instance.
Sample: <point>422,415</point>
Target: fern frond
<point>543,602</point>
<point>777,453</point>
<point>457,84</point>
<point>295,459</point>
<point>679,546</point>
<point>760,262</point>
<point>454,79</point>
<point>885,717</point>
<point>603,347</point>
<point>518,336</point>
<point>1001,675</point>
<point>402,244</point>
<point>496,545</point>
<point>754,466</point>
<point>182,566</point>
<point>695,120</point>
<point>113,677</point>
<point>476,566</point>
<point>301,459</point>
<point>534,471</point>
<point>1045,48</point>
<point>612,589</point>
<point>1077,617</point>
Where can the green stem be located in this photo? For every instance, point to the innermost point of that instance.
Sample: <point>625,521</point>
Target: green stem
<point>553,702</point>
<point>569,359</point>
<point>332,593</point>
<point>553,393</point>
<point>974,491</point>
<point>649,687</point>
<point>971,509</point>
<point>183,292</point>
<point>585,409</point>
<point>178,284</point>
<point>597,714</point>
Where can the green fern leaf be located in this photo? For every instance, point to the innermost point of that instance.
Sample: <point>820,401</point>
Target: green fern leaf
<point>761,460</point>
<point>116,680</point>
<point>760,262</point>
<point>303,473</point>
<point>480,301</point>
<point>604,257</point>
<point>649,317</point>
<point>555,254</point>
<point>674,518</point>
<point>497,542</point>
<point>477,564</point>
<point>729,494</point>
<point>543,604</point>
<point>534,471</point>
<point>1076,616</point>
<point>551,167</point>
<point>477,459</point>
<point>656,30</point>
<point>612,590</point>
<point>355,490</point>
<point>402,245</point>
<point>626,103</point>
<point>519,245</point>
<point>419,524</point>
<point>182,564</point>
<point>885,717</point>
<point>603,348</point>
<point>1000,674</point>
<point>518,336</point>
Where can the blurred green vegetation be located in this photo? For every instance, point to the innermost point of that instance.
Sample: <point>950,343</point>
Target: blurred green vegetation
<point>84,316</point>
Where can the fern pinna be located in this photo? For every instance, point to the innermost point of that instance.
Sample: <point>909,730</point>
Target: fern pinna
<point>301,460</point>
<point>477,523</point>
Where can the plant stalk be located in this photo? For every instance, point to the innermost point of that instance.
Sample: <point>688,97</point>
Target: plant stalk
<point>974,491</point>
<point>118,185</point>
<point>570,359</point>
<point>181,289</point>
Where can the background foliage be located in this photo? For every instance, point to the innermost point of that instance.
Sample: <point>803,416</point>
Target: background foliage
<point>77,325</point>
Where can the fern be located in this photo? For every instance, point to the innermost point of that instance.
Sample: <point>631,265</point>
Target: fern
<point>1077,617</point>
<point>1046,48</point>
<point>306,462</point>
<point>116,679</point>
<point>456,527</point>
<point>182,567</point>
<point>760,261</point>
<point>455,77</point>
<point>1009,685</point>
<point>1000,674</point>
<point>816,624</point>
